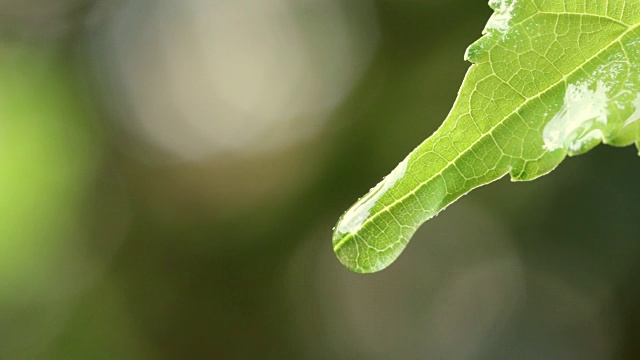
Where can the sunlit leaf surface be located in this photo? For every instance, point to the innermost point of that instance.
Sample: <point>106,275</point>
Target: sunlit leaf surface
<point>550,78</point>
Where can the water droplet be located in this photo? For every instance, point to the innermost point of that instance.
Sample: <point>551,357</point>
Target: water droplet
<point>636,115</point>
<point>355,217</point>
<point>502,16</point>
<point>577,126</point>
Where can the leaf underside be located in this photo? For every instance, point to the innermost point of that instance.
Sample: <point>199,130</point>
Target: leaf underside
<point>550,78</point>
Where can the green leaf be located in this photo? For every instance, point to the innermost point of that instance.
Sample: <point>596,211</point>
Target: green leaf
<point>550,78</point>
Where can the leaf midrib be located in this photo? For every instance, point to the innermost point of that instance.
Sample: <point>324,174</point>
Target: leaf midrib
<point>482,136</point>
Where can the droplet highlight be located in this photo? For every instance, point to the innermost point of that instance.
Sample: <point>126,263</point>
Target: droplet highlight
<point>356,216</point>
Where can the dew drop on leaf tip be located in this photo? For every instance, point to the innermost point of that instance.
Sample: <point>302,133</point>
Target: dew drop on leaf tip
<point>353,220</point>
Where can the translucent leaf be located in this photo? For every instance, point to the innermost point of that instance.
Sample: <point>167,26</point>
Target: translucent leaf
<point>549,79</point>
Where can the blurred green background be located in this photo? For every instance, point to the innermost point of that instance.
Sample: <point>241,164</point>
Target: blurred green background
<point>170,172</point>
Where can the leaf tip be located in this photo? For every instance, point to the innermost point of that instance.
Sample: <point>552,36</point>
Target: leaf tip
<point>358,256</point>
<point>476,52</point>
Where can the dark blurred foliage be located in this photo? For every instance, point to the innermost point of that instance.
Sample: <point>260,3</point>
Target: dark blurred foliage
<point>170,173</point>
